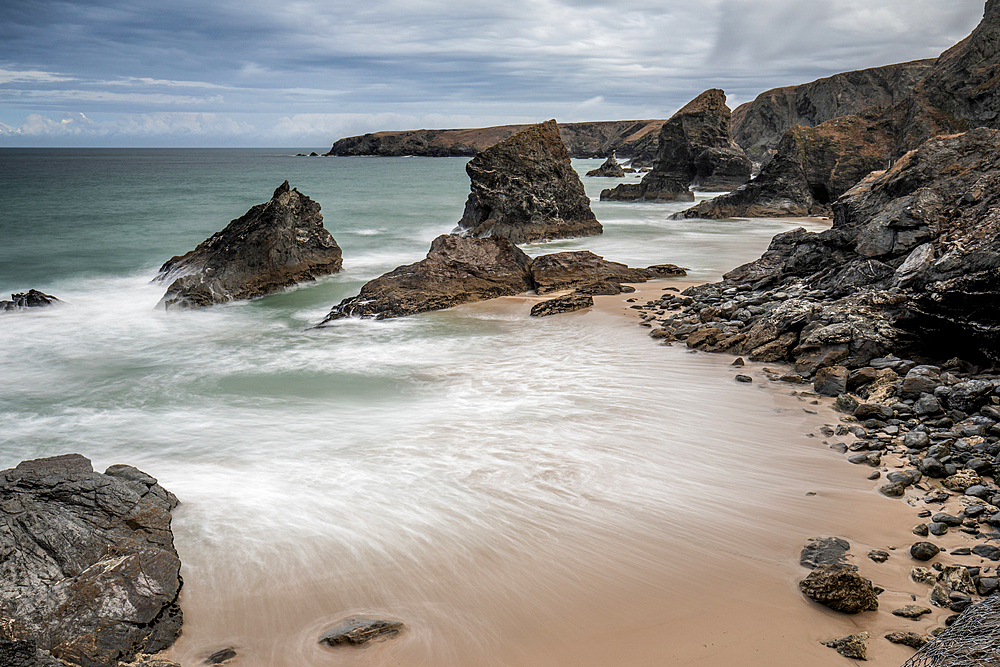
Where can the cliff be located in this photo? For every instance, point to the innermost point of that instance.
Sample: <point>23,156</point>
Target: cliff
<point>633,139</point>
<point>758,126</point>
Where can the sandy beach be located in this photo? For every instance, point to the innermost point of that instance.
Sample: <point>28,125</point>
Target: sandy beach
<point>705,584</point>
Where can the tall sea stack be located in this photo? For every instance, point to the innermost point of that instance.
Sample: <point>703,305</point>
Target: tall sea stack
<point>525,189</point>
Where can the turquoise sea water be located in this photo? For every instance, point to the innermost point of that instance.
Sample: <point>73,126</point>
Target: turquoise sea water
<point>467,471</point>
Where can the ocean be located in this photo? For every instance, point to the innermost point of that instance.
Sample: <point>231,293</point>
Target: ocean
<point>511,488</point>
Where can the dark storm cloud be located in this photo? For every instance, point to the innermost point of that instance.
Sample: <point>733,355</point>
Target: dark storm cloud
<point>259,71</point>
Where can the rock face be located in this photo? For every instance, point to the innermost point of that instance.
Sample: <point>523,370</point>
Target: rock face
<point>840,588</point>
<point>696,151</point>
<point>273,246</point>
<point>758,126</point>
<point>634,139</point>
<point>909,267</point>
<point>610,169</point>
<point>30,299</point>
<point>812,168</point>
<point>89,572</point>
<point>525,189</point>
<point>461,270</point>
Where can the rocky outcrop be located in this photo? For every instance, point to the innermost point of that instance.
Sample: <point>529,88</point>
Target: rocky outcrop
<point>610,169</point>
<point>457,270</point>
<point>758,126</point>
<point>461,270</point>
<point>90,576</point>
<point>633,139</point>
<point>30,299</point>
<point>910,267</point>
<point>273,246</point>
<point>696,151</point>
<point>812,168</point>
<point>956,93</point>
<point>525,189</point>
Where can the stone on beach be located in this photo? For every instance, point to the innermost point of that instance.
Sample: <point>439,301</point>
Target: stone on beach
<point>841,588</point>
<point>271,247</point>
<point>361,631</point>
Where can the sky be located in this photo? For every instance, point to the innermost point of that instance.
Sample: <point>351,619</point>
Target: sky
<point>303,73</point>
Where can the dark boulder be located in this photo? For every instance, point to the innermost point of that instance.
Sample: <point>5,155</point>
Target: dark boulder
<point>563,304</point>
<point>30,299</point>
<point>89,571</point>
<point>525,189</point>
<point>840,588</point>
<point>273,246</point>
<point>610,169</point>
<point>361,631</point>
<point>824,551</point>
<point>924,551</point>
<point>456,270</point>
<point>696,151</point>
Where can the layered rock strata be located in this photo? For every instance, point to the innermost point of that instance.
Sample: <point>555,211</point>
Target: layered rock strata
<point>90,576</point>
<point>271,247</point>
<point>461,270</point>
<point>525,189</point>
<point>696,151</point>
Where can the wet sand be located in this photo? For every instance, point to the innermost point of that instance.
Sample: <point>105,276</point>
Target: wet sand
<point>699,582</point>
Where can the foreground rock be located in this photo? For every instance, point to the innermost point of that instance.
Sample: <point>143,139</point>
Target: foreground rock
<point>525,189</point>
<point>90,576</point>
<point>610,169</point>
<point>853,646</point>
<point>824,551</point>
<point>461,270</point>
<point>564,304</point>
<point>361,631</point>
<point>273,246</point>
<point>30,299</point>
<point>840,588</point>
<point>696,151</point>
<point>634,139</point>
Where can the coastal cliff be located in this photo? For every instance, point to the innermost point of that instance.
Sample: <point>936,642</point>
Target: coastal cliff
<point>759,125</point>
<point>633,139</point>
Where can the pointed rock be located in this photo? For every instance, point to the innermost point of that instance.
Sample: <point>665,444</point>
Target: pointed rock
<point>273,246</point>
<point>525,189</point>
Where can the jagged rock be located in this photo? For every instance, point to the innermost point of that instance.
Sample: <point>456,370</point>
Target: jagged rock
<point>957,578</point>
<point>525,189</point>
<point>853,646</point>
<point>840,588</point>
<point>272,246</point>
<point>824,551</point>
<point>912,611</point>
<point>634,139</point>
<point>696,151</point>
<point>758,126</point>
<point>563,304</point>
<point>456,270</point>
<point>830,381</point>
<point>88,570</point>
<point>610,169</point>
<point>580,269</point>
<point>30,299</point>
<point>361,631</point>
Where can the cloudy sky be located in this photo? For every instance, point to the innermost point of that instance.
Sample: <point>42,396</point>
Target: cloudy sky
<point>302,73</point>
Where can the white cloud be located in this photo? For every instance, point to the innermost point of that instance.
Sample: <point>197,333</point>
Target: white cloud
<point>134,125</point>
<point>31,76</point>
